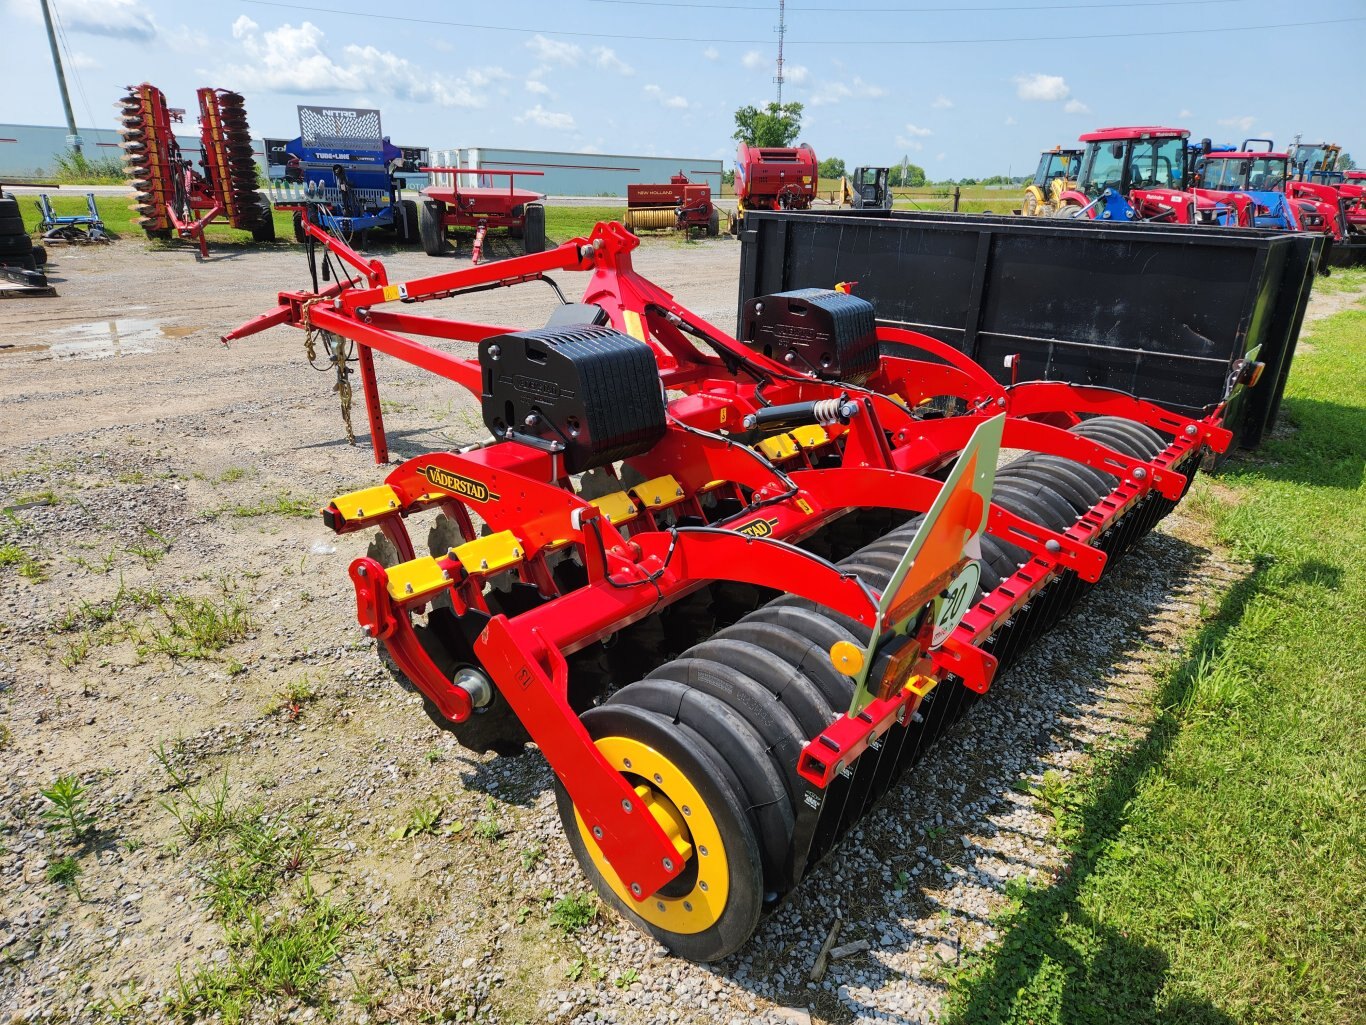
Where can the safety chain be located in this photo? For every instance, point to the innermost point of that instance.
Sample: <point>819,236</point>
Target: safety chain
<point>337,355</point>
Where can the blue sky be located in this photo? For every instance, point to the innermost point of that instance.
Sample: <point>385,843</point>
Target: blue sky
<point>879,78</point>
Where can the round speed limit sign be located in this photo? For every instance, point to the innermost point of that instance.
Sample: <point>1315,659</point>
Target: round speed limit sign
<point>955,605</point>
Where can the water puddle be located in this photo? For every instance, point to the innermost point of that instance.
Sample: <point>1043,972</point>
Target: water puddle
<point>101,339</point>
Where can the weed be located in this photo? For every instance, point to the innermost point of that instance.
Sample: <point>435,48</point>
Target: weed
<point>103,567</point>
<point>149,554</point>
<point>570,914</point>
<point>234,667</point>
<point>624,980</point>
<point>197,627</point>
<point>433,756</point>
<point>424,818</point>
<point>67,799</point>
<point>279,504</point>
<point>131,477</point>
<point>532,856</point>
<point>575,969</point>
<point>124,1004</point>
<point>6,737</point>
<point>488,830</point>
<point>231,475</point>
<point>65,871</point>
<point>77,650</point>
<point>292,697</point>
<point>28,567</point>
<point>45,497</point>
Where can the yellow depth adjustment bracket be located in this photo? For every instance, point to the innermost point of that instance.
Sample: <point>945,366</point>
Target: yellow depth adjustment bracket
<point>416,578</point>
<point>367,504</point>
<point>617,507</point>
<point>778,447</point>
<point>659,493</point>
<point>921,685</point>
<point>810,436</point>
<point>490,554</point>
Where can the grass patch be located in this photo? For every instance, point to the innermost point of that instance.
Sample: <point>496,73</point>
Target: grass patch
<point>575,912</point>
<point>14,557</point>
<point>197,627</point>
<point>1216,866</point>
<point>257,870</point>
<point>280,504</point>
<point>565,222</point>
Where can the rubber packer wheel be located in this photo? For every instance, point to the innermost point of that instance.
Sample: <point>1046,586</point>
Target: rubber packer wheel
<point>713,907</point>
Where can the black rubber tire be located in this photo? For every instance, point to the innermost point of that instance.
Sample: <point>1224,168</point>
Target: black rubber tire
<point>1096,483</point>
<point>11,224</point>
<point>431,231</point>
<point>1147,440</point>
<point>714,223</point>
<point>1108,434</point>
<point>765,653</point>
<point>40,256</point>
<point>9,206</point>
<point>409,231</point>
<point>1022,504</point>
<point>533,229</point>
<point>15,245</point>
<point>767,794</point>
<point>1062,513</point>
<point>515,230</point>
<point>264,231</point>
<point>1068,488</point>
<point>715,782</point>
<point>1003,557</point>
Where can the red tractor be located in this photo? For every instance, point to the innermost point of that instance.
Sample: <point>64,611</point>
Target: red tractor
<point>1139,174</point>
<point>1314,176</point>
<point>678,205</point>
<point>774,178</point>
<point>448,203</point>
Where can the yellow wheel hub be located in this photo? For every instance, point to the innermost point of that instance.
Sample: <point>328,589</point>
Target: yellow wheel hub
<point>680,811</point>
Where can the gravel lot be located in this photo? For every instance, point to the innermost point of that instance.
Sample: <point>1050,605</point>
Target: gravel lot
<point>138,455</point>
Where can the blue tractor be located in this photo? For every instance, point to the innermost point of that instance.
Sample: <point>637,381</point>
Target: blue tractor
<point>343,171</point>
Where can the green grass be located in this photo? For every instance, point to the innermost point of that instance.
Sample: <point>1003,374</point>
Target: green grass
<point>1217,872</point>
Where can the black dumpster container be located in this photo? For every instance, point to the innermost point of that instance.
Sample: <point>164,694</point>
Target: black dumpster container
<point>1162,311</point>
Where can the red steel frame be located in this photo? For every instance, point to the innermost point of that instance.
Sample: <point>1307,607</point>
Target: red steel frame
<point>884,454</point>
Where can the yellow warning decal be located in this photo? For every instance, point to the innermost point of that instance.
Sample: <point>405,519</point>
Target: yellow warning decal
<point>390,293</point>
<point>634,327</point>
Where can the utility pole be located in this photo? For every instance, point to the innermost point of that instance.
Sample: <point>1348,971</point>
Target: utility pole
<point>72,139</point>
<point>782,31</point>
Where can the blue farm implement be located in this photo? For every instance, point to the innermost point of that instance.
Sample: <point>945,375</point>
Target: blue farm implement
<point>86,227</point>
<point>342,174</point>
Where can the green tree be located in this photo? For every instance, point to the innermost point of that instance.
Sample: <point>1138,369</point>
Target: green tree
<point>1345,162</point>
<point>832,167</point>
<point>772,126</point>
<point>907,175</point>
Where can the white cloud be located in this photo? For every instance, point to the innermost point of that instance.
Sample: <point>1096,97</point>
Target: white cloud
<point>84,62</point>
<point>543,118</point>
<point>588,149</point>
<point>797,73</point>
<point>119,19</point>
<point>659,96</point>
<point>917,131</point>
<point>942,103</point>
<point>940,156</point>
<point>608,60</point>
<point>711,53</point>
<point>535,85</point>
<point>1011,121</point>
<point>754,60</point>
<point>1075,106</point>
<point>1186,113</point>
<point>292,59</point>
<point>835,92</point>
<point>1243,123</point>
<point>553,51</point>
<point>1045,88</point>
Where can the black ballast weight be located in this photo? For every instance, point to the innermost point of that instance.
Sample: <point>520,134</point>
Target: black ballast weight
<point>590,392</point>
<point>831,333</point>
